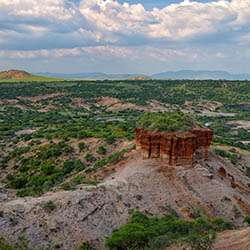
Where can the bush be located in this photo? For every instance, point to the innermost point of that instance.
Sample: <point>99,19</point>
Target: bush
<point>81,146</point>
<point>225,154</point>
<point>247,219</point>
<point>220,224</point>
<point>71,185</point>
<point>16,181</point>
<point>101,150</point>
<point>248,172</point>
<point>48,168</point>
<point>168,121</point>
<point>110,139</point>
<point>70,165</point>
<point>89,157</point>
<point>53,150</point>
<point>153,232</point>
<point>111,159</point>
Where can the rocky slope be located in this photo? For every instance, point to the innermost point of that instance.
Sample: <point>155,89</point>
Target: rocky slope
<point>233,240</point>
<point>228,240</point>
<point>91,213</point>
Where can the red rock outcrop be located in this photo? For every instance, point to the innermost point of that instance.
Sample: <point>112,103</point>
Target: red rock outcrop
<point>176,148</point>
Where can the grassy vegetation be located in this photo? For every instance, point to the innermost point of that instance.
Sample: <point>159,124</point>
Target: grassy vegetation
<point>42,160</point>
<point>39,173</point>
<point>32,78</point>
<point>233,157</point>
<point>158,232</point>
<point>167,121</point>
<point>247,220</point>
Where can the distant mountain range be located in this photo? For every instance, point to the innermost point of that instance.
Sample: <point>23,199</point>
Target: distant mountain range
<point>17,75</point>
<point>182,74</point>
<point>94,76</point>
<point>200,75</point>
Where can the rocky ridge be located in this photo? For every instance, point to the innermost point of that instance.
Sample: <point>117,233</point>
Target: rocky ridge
<point>91,213</point>
<point>175,148</point>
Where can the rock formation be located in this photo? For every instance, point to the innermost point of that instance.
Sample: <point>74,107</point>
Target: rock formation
<point>176,148</point>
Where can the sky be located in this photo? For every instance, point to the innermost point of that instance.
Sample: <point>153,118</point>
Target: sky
<point>130,36</point>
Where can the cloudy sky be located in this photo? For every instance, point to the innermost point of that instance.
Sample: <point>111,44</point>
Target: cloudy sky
<point>132,36</point>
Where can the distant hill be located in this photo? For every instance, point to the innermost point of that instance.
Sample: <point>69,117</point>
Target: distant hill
<point>20,75</point>
<point>200,75</point>
<point>175,75</point>
<point>15,75</point>
<point>95,76</point>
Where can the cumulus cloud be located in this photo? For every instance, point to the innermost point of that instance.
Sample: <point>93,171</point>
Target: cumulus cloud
<point>55,9</point>
<point>61,28</point>
<point>97,51</point>
<point>43,24</point>
<point>186,20</point>
<point>110,22</point>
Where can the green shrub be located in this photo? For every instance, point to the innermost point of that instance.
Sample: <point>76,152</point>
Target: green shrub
<point>225,154</point>
<point>111,159</point>
<point>81,146</point>
<point>248,172</point>
<point>168,121</point>
<point>48,168</point>
<point>17,181</point>
<point>53,150</point>
<point>4,245</point>
<point>110,139</point>
<point>153,232</point>
<point>71,165</point>
<point>247,219</point>
<point>71,185</point>
<point>89,157</point>
<point>220,224</point>
<point>101,150</point>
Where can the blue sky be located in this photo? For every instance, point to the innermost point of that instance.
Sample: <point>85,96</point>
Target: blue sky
<point>149,4</point>
<point>116,36</point>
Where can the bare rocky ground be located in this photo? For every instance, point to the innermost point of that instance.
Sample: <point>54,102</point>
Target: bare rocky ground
<point>213,187</point>
<point>116,105</point>
<point>228,240</point>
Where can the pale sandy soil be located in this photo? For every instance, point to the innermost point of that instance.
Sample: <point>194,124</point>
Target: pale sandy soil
<point>240,124</point>
<point>228,240</point>
<point>39,98</point>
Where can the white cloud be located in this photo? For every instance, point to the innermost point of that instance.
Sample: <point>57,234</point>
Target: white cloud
<point>107,28</point>
<point>187,19</point>
<point>110,22</point>
<point>242,8</point>
<point>56,9</point>
<point>190,19</point>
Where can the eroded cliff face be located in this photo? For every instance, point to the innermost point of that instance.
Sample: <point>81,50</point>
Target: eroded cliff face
<point>176,148</point>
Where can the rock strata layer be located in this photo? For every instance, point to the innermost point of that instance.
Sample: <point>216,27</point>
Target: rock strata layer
<point>176,148</point>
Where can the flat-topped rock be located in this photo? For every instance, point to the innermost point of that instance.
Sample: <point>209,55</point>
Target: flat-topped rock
<point>176,148</point>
